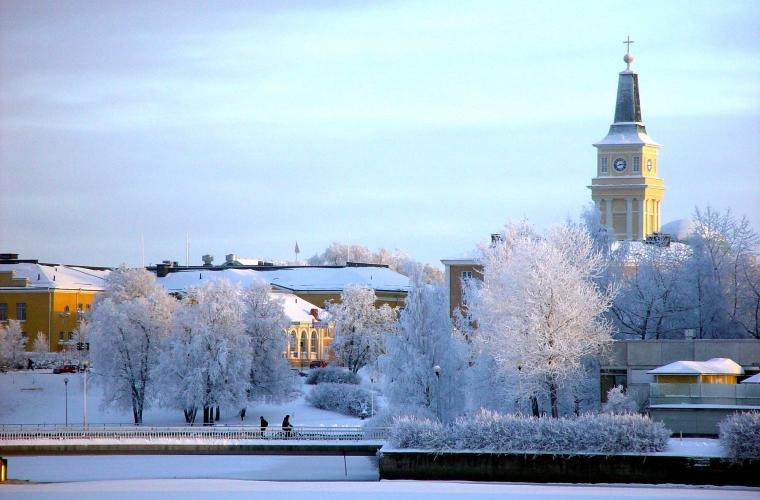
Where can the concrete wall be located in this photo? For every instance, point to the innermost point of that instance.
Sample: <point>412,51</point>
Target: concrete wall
<point>548,468</point>
<point>633,358</point>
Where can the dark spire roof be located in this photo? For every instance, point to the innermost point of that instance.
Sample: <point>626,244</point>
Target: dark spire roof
<point>627,127</point>
<point>628,106</point>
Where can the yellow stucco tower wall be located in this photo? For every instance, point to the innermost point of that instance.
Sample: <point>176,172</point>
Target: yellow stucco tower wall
<point>627,189</point>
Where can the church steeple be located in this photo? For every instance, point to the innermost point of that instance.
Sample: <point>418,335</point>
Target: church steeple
<point>627,189</point>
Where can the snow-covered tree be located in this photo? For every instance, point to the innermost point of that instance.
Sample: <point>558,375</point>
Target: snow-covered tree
<point>12,343</point>
<point>127,323</point>
<point>423,340</point>
<point>724,289</point>
<point>619,402</point>
<point>41,347</point>
<point>265,324</point>
<point>399,261</point>
<point>538,309</point>
<point>206,360</point>
<point>652,302</point>
<point>359,327</point>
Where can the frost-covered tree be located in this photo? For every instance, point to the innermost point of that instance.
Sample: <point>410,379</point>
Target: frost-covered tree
<point>424,339</point>
<point>206,360</point>
<point>127,323</point>
<point>724,288</point>
<point>620,402</point>
<point>653,302</point>
<point>538,310</point>
<point>359,327</point>
<point>41,347</point>
<point>265,324</point>
<point>12,343</point>
<point>399,261</point>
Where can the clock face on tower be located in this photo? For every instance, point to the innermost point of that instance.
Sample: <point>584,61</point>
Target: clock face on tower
<point>649,165</point>
<point>619,164</point>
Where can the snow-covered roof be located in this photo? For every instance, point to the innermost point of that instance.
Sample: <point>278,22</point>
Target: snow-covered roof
<point>627,134</point>
<point>470,255</point>
<point>45,276</point>
<point>330,279</point>
<point>336,279</point>
<point>679,229</point>
<point>714,366</point>
<point>754,379</point>
<point>298,309</point>
<point>638,249</point>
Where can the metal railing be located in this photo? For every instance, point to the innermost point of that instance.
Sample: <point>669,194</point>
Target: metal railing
<point>28,432</point>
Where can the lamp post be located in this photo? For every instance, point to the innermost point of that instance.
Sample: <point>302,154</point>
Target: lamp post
<point>86,365</point>
<point>437,371</point>
<point>66,384</point>
<point>372,391</point>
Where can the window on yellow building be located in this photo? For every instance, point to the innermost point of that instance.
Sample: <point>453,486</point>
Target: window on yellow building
<point>71,335</point>
<point>3,311</point>
<point>636,164</point>
<point>60,337</point>
<point>21,311</point>
<point>314,342</point>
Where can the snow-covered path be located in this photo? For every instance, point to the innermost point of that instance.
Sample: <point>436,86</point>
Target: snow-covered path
<point>221,489</point>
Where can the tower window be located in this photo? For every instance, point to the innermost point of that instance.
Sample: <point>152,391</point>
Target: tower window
<point>636,164</point>
<point>603,165</point>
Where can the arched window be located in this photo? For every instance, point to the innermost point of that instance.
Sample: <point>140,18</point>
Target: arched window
<point>293,343</point>
<point>303,341</point>
<point>314,342</point>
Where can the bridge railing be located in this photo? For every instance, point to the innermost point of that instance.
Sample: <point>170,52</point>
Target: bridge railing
<point>29,432</point>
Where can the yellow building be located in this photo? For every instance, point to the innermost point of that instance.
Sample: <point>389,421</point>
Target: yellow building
<point>627,190</point>
<point>457,271</point>
<point>47,298</point>
<point>309,335</point>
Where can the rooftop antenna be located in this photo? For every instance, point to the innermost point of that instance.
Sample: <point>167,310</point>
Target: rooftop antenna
<point>628,57</point>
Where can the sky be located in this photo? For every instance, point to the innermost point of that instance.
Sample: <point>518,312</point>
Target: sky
<point>427,125</point>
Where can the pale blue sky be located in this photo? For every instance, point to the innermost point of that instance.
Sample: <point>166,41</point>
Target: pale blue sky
<point>420,125</point>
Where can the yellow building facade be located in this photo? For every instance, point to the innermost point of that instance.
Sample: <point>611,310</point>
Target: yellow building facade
<point>627,189</point>
<point>47,298</point>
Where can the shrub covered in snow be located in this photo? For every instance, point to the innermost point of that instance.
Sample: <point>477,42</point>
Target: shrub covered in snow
<point>740,435</point>
<point>619,402</point>
<point>422,433</point>
<point>332,375</point>
<point>490,431</point>
<point>348,399</point>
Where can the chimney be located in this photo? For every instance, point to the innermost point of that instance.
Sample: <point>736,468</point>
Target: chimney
<point>314,313</point>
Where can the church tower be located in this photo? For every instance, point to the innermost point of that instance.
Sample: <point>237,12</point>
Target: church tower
<point>627,190</point>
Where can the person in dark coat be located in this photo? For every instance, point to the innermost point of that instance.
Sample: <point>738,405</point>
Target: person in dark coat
<point>287,426</point>
<point>264,425</point>
<point>242,414</point>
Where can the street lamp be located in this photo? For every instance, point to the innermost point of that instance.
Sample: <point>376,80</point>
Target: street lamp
<point>66,383</point>
<point>372,390</point>
<point>437,371</point>
<point>86,365</point>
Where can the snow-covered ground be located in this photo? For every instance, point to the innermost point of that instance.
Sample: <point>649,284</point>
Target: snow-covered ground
<point>39,397</point>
